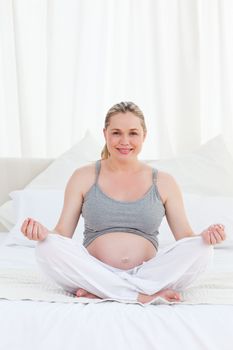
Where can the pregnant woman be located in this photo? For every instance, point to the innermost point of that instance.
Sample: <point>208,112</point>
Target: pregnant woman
<point>123,202</point>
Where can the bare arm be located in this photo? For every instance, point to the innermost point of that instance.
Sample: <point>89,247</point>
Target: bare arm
<point>72,206</point>
<point>176,215</point>
<point>174,206</point>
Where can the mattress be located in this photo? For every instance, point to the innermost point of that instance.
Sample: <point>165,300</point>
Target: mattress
<point>27,324</point>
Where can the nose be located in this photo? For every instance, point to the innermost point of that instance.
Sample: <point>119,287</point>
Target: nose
<point>124,140</point>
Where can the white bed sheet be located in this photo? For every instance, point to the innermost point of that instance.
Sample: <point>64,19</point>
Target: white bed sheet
<point>112,325</point>
<point>3,236</point>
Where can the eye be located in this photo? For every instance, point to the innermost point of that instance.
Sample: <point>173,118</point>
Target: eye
<point>134,133</point>
<point>115,133</point>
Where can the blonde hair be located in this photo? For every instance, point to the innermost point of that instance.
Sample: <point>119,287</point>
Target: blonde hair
<point>122,107</point>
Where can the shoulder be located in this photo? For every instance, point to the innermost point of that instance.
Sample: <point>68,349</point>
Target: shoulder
<point>164,177</point>
<point>82,179</point>
<point>167,185</point>
<point>86,170</point>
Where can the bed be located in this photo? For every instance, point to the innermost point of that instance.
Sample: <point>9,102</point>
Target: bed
<point>32,316</point>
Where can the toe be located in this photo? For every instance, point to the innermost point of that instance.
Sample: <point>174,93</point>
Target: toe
<point>81,292</point>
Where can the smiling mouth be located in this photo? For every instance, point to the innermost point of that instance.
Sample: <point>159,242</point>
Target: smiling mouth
<point>124,150</point>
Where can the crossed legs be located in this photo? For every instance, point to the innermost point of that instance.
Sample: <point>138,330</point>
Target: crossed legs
<point>173,269</point>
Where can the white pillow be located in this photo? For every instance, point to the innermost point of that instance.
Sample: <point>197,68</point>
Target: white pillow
<point>58,172</point>
<point>203,211</point>
<point>207,171</point>
<point>44,206</point>
<point>7,218</point>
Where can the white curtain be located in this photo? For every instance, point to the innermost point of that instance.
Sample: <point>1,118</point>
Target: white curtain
<point>64,63</point>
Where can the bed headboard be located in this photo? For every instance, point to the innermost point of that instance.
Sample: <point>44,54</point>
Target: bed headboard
<point>15,173</point>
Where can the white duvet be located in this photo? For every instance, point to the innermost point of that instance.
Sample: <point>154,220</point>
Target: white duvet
<point>27,324</point>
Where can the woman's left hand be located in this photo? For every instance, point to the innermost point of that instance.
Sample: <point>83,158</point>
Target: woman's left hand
<point>214,234</point>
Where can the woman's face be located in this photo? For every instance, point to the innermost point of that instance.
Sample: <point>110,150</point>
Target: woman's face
<point>124,135</point>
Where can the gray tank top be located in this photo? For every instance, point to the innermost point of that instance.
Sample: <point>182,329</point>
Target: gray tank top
<point>103,214</point>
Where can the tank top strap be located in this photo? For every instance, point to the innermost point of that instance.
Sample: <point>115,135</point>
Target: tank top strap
<point>97,170</point>
<point>154,175</point>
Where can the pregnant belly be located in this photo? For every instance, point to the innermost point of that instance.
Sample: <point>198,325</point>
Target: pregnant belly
<point>122,250</point>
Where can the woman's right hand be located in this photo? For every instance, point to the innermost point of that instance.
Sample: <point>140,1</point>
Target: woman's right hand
<point>33,230</point>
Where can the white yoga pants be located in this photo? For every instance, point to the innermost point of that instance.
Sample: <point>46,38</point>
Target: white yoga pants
<point>70,265</point>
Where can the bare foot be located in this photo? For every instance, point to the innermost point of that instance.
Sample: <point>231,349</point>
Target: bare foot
<point>85,294</point>
<point>167,294</point>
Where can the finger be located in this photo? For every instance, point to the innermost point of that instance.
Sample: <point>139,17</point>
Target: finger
<point>24,226</point>
<point>217,236</point>
<point>35,231</point>
<point>29,230</point>
<point>206,236</point>
<point>221,235</point>
<point>41,232</point>
<point>217,226</point>
<point>218,229</point>
<point>221,232</point>
<point>212,238</point>
<point>221,226</point>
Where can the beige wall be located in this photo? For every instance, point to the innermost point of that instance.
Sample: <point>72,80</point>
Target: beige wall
<point>16,173</point>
